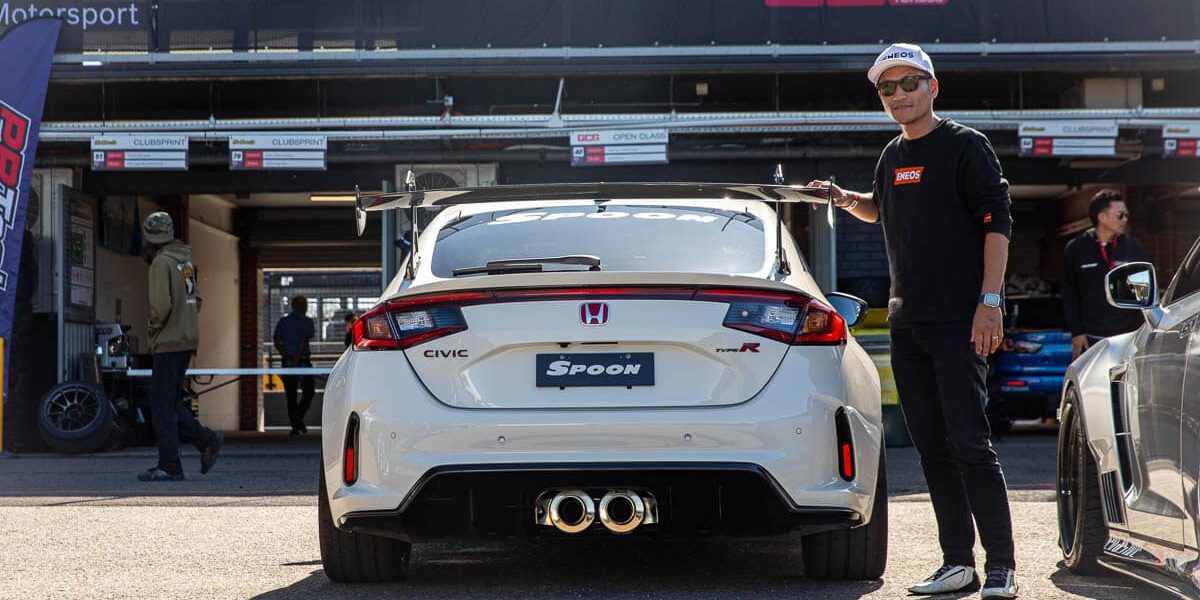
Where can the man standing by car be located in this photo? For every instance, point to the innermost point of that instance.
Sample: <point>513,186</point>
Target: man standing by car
<point>293,334</point>
<point>174,336</point>
<point>1088,258</point>
<point>943,203</point>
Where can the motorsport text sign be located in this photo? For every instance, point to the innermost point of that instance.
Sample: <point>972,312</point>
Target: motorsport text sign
<point>288,151</point>
<point>1179,139</point>
<point>619,147</point>
<point>139,152</point>
<point>1080,137</point>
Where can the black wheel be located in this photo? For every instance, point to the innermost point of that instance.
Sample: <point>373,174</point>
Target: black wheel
<point>76,418</point>
<point>1081,527</point>
<point>858,554</point>
<point>355,557</point>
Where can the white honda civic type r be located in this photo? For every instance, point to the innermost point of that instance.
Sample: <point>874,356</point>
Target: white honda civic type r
<point>603,360</point>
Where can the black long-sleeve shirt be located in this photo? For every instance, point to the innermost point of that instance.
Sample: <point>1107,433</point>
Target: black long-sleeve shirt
<point>938,197</point>
<point>1085,306</point>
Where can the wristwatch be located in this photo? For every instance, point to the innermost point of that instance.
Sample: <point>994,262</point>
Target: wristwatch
<point>990,299</point>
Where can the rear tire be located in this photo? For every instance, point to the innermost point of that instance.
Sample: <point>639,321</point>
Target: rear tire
<point>355,557</point>
<point>858,554</point>
<point>1082,529</point>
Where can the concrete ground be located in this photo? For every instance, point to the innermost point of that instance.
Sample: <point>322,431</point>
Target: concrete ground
<point>82,527</point>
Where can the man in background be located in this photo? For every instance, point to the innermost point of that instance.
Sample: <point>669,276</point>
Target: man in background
<point>174,336</point>
<point>348,338</point>
<point>1088,258</point>
<point>293,333</point>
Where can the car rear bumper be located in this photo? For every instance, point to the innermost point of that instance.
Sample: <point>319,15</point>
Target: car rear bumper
<point>694,499</point>
<point>784,439</point>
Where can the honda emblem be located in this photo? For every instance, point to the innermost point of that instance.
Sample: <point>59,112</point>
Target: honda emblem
<point>593,313</point>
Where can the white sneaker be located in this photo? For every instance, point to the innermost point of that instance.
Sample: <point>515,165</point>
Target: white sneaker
<point>1001,583</point>
<point>948,578</point>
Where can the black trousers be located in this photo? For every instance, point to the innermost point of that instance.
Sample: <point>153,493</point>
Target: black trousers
<point>303,383</point>
<point>941,383</point>
<point>173,420</point>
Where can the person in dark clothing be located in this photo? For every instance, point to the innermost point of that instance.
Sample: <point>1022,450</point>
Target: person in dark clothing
<point>348,338</point>
<point>293,333</point>
<point>174,336</point>
<point>943,203</point>
<point>1089,257</point>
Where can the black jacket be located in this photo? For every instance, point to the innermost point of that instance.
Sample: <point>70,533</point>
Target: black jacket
<point>1085,306</point>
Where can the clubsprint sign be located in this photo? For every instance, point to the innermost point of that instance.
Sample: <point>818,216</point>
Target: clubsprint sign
<point>283,151</point>
<point>1179,139</point>
<point>625,147</point>
<point>1082,137</point>
<point>139,152</point>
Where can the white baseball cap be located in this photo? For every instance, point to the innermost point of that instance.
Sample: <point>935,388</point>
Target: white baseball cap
<point>900,54</point>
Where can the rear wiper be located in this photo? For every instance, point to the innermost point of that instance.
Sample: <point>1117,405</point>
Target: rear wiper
<point>530,265</point>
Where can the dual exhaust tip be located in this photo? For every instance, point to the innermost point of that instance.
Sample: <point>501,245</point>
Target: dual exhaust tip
<point>573,511</point>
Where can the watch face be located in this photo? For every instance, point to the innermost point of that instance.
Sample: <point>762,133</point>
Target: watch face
<point>992,300</point>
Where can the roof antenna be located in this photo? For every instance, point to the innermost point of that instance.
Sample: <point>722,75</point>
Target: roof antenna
<point>781,263</point>
<point>410,185</point>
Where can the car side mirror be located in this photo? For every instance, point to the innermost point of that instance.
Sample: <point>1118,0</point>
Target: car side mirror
<point>1133,286</point>
<point>852,308</point>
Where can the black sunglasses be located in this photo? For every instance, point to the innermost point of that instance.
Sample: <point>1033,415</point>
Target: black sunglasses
<point>908,83</point>
<point>1123,214</point>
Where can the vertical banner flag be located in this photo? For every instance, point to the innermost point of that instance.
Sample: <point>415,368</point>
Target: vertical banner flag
<point>25,53</point>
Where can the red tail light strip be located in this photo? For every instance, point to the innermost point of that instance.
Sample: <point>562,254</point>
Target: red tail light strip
<point>845,445</point>
<point>350,455</point>
<point>819,325</point>
<point>847,462</point>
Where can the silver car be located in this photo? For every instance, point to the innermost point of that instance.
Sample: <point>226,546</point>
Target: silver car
<point>1129,444</point>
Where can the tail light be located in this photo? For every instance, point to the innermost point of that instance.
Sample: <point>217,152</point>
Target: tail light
<point>789,318</point>
<point>402,324</point>
<point>845,446</point>
<point>350,456</point>
<point>373,331</point>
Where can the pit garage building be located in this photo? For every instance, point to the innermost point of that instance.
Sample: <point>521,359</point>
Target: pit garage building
<point>251,122</point>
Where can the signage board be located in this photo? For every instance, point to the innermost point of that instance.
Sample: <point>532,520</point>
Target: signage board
<point>619,146</point>
<point>139,152</point>
<point>282,151</point>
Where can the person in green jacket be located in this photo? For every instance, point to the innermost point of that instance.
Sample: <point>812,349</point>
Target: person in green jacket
<point>174,336</point>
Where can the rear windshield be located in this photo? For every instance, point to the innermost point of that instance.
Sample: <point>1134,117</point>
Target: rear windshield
<point>626,238</point>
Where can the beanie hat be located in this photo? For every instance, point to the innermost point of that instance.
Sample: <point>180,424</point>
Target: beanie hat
<point>158,228</point>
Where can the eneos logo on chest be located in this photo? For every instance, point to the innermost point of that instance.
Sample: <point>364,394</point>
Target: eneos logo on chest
<point>907,175</point>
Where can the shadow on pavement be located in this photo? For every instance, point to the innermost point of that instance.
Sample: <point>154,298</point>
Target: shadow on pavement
<point>1104,586</point>
<point>248,466</point>
<point>607,569</point>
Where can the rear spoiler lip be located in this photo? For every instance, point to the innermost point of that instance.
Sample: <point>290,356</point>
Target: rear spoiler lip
<point>543,192</point>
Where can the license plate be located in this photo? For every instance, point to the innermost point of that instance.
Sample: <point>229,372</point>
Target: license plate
<point>600,369</point>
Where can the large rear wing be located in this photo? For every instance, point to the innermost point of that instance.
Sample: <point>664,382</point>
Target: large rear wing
<point>541,192</point>
<point>413,199</point>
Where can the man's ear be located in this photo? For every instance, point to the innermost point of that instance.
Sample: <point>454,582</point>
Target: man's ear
<point>933,88</point>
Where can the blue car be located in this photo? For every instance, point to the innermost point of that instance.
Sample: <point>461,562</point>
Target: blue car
<point>1026,376</point>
